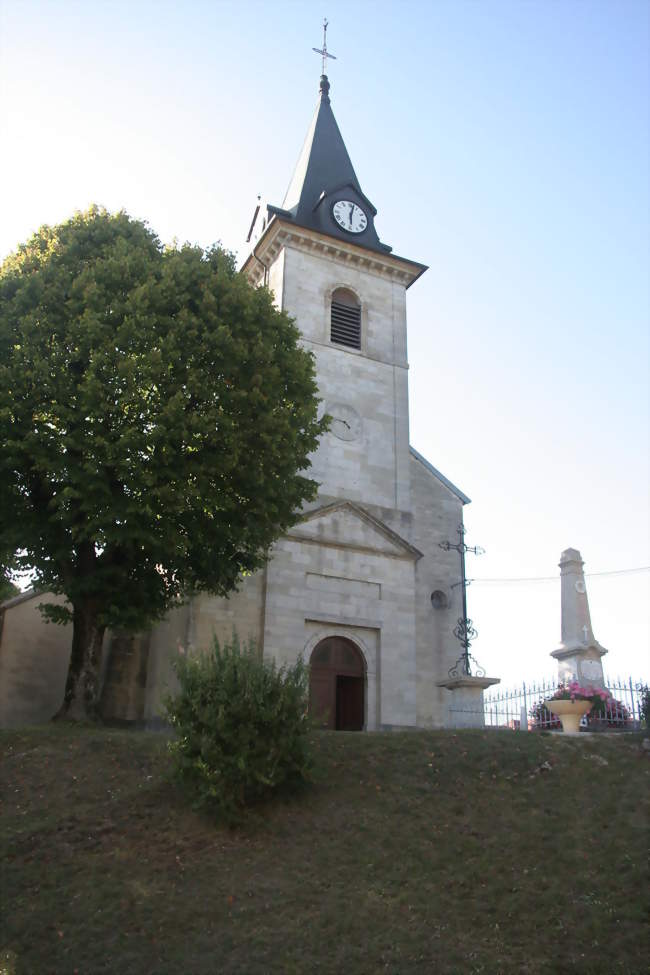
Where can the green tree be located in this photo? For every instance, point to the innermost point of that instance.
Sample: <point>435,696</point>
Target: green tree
<point>7,588</point>
<point>156,417</point>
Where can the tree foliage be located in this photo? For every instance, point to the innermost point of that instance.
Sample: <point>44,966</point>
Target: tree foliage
<point>7,588</point>
<point>156,417</point>
<point>242,727</point>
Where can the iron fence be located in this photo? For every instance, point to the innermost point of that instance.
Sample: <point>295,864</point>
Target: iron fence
<point>522,708</point>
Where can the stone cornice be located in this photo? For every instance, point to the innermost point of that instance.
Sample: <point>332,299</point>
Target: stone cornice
<point>365,624</point>
<point>576,649</point>
<point>282,233</point>
<point>474,683</point>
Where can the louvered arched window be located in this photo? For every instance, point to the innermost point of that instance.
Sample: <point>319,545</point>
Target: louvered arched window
<point>346,319</point>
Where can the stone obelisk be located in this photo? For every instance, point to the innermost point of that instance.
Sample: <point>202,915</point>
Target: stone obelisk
<point>579,654</point>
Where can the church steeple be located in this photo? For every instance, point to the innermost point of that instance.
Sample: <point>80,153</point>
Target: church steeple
<point>324,177</point>
<point>323,162</point>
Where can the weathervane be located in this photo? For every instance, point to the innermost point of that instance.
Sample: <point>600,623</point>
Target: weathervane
<point>464,630</point>
<point>324,52</point>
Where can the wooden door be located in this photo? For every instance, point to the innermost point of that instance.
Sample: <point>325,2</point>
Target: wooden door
<point>322,702</point>
<point>349,703</point>
<point>337,685</point>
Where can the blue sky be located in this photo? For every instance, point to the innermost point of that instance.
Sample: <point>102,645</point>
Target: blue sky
<point>504,144</point>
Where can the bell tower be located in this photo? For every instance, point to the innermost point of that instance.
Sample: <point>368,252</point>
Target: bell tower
<point>321,255</point>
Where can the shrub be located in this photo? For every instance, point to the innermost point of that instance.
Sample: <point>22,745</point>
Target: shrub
<point>609,714</point>
<point>242,727</point>
<point>644,705</point>
<point>543,719</point>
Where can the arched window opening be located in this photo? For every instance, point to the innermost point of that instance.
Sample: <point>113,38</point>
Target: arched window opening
<point>346,319</point>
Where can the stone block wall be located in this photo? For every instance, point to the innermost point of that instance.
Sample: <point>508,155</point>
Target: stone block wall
<point>34,660</point>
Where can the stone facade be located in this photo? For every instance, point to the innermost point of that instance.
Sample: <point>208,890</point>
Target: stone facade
<point>364,561</point>
<point>34,660</point>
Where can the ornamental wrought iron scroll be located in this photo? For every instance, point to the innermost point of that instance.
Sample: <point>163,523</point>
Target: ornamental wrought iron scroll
<point>464,631</point>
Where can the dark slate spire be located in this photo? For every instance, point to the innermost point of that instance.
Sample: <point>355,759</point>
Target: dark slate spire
<point>324,175</point>
<point>323,162</point>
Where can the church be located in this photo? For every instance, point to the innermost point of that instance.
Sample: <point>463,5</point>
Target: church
<point>360,587</point>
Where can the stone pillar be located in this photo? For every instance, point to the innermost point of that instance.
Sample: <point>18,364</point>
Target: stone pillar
<point>579,654</point>
<point>465,706</point>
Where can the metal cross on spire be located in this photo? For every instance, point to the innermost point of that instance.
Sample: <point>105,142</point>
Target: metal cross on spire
<point>324,52</point>
<point>464,629</point>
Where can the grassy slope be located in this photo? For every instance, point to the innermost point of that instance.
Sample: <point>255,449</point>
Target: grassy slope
<point>413,853</point>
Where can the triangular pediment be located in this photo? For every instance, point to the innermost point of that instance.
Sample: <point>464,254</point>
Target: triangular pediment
<point>345,524</point>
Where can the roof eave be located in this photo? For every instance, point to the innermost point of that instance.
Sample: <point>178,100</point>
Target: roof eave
<point>282,223</point>
<point>462,497</point>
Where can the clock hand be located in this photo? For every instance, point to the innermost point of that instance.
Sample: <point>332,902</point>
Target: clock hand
<point>351,212</point>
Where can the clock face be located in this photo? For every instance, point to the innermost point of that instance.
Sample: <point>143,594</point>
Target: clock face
<point>346,422</point>
<point>350,216</point>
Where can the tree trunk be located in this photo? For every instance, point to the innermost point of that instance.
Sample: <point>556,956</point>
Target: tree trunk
<point>80,701</point>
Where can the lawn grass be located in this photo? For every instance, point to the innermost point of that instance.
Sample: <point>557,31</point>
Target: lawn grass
<point>426,852</point>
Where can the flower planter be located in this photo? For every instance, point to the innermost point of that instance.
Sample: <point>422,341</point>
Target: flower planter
<point>569,713</point>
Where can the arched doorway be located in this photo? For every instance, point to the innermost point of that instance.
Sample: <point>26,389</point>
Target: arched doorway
<point>337,684</point>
